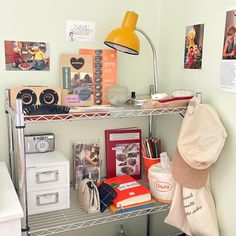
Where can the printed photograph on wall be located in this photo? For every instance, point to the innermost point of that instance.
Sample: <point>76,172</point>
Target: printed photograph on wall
<point>229,47</point>
<point>193,46</point>
<point>26,56</point>
<point>228,63</point>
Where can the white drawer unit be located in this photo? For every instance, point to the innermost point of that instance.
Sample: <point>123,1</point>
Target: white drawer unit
<point>47,170</point>
<point>48,182</point>
<point>47,177</point>
<point>48,200</point>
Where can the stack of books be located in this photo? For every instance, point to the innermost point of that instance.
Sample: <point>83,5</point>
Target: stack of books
<point>131,195</point>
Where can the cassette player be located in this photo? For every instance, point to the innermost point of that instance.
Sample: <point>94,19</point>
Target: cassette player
<point>39,143</point>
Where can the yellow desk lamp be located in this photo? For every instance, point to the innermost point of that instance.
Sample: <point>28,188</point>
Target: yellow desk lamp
<point>124,39</point>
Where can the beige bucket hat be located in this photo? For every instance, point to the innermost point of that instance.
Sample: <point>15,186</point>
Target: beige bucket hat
<point>201,139</point>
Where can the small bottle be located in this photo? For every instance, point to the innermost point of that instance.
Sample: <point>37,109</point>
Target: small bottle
<point>152,89</point>
<point>121,233</point>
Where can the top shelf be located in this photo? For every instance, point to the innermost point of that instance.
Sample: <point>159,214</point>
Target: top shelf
<point>108,113</point>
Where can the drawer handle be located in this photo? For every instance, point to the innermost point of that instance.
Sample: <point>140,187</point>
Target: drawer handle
<point>40,197</point>
<point>47,174</point>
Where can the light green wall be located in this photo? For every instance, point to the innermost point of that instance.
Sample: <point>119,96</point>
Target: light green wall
<point>175,15</point>
<point>165,24</point>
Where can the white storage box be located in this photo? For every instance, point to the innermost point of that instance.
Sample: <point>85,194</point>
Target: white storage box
<point>48,200</point>
<point>47,170</point>
<point>48,182</point>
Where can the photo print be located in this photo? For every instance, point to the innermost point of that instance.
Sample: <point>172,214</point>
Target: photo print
<point>86,155</point>
<point>229,47</point>
<point>26,56</point>
<point>228,62</point>
<point>127,159</point>
<point>193,46</point>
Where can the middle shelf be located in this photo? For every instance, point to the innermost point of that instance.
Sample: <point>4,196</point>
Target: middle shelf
<point>75,218</point>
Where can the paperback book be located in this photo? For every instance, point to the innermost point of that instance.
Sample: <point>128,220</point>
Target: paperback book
<point>133,207</point>
<point>129,191</point>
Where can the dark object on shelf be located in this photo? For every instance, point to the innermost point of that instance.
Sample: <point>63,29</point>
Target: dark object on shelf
<point>106,194</point>
<point>45,109</point>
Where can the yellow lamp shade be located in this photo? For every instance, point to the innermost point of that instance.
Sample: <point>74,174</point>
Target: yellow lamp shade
<point>124,38</point>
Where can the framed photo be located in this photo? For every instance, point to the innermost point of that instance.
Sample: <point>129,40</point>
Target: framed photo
<point>86,156</point>
<point>123,152</point>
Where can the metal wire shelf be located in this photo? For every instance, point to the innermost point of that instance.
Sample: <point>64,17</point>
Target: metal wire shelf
<point>100,114</point>
<point>75,218</point>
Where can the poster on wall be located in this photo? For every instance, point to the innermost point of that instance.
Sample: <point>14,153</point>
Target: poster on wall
<point>80,31</point>
<point>228,63</point>
<point>193,46</point>
<point>26,56</point>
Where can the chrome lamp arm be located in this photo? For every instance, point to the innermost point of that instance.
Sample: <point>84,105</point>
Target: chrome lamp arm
<point>154,58</point>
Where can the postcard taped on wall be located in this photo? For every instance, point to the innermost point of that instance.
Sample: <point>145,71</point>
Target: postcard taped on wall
<point>228,64</point>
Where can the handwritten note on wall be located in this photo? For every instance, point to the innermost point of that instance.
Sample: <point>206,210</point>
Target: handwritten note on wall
<point>80,31</point>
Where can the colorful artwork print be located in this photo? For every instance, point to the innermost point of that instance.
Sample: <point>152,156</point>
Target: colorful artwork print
<point>26,56</point>
<point>127,159</point>
<point>193,46</point>
<point>229,47</point>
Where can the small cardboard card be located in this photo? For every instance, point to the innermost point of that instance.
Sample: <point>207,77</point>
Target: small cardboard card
<point>104,72</point>
<point>77,80</point>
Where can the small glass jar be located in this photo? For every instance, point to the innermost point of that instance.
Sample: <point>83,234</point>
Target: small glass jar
<point>117,95</point>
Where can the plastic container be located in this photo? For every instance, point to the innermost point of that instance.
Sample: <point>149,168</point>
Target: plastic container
<point>148,162</point>
<point>161,181</point>
<point>117,95</point>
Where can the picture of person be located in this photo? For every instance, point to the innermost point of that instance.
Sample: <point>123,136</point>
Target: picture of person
<point>23,55</point>
<point>80,81</point>
<point>86,162</point>
<point>193,46</point>
<point>39,59</point>
<point>75,82</point>
<point>16,57</point>
<point>71,36</point>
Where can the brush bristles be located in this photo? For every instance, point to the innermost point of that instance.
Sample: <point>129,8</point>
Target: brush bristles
<point>46,109</point>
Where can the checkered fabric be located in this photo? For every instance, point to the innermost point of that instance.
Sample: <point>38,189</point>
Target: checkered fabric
<point>107,194</point>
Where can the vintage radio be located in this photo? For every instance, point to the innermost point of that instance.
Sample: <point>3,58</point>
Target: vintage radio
<point>32,95</point>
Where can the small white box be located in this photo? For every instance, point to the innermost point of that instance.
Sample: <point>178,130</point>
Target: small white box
<point>46,171</point>
<point>48,200</point>
<point>48,182</point>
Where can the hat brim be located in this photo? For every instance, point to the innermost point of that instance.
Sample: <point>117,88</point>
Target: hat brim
<point>186,175</point>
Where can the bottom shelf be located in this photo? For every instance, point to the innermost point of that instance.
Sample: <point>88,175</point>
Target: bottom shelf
<point>75,218</point>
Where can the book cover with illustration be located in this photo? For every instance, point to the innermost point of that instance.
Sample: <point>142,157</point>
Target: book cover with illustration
<point>123,152</point>
<point>104,72</point>
<point>77,79</point>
